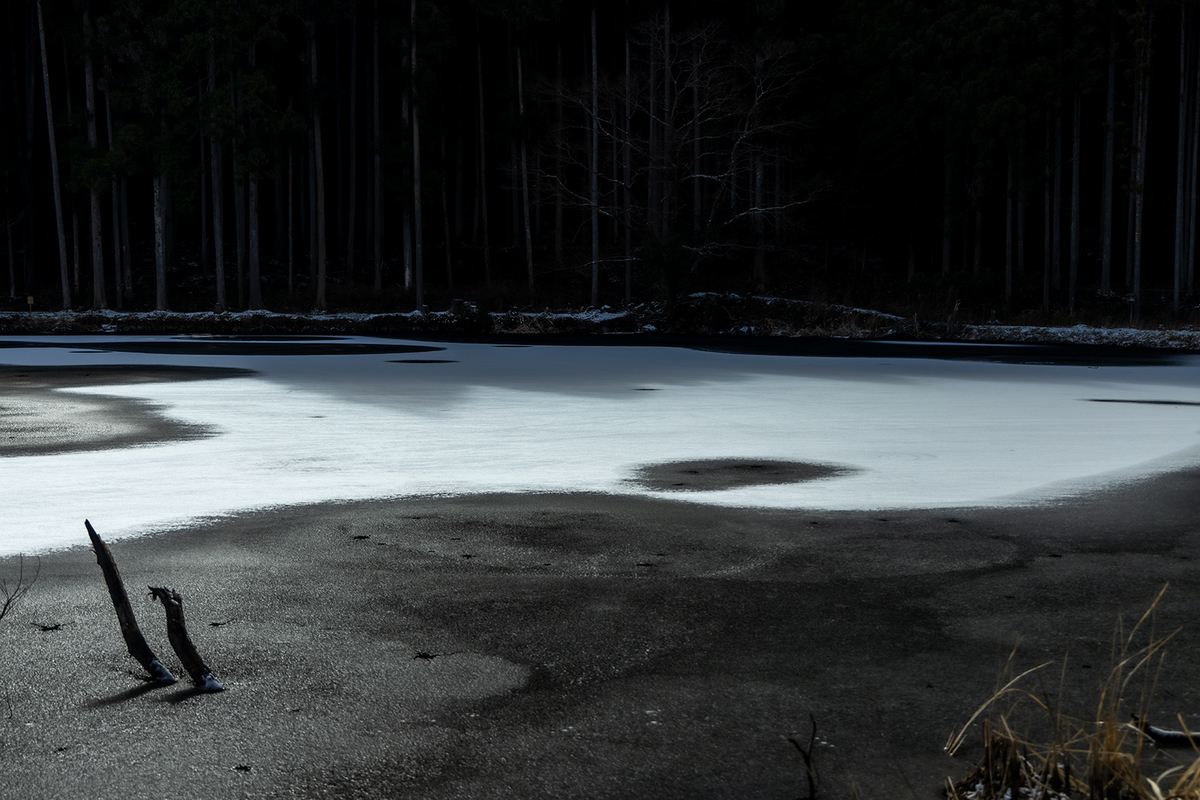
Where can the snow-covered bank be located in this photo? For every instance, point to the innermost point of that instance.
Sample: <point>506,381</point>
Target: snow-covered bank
<point>470,418</point>
<point>703,314</point>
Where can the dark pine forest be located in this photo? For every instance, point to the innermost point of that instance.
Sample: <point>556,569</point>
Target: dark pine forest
<point>1033,160</point>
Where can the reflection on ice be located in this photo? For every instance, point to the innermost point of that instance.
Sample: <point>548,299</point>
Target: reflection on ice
<point>307,428</point>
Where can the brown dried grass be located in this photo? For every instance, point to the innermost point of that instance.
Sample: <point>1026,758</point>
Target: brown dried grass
<point>1099,758</point>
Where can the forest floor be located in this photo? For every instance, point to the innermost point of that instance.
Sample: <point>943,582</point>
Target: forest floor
<point>702,314</point>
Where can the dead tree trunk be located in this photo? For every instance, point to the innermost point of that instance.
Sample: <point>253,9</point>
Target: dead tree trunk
<point>181,643</point>
<point>129,627</point>
<point>62,239</point>
<point>99,300</point>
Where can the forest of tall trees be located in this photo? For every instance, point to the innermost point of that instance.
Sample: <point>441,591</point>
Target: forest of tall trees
<point>1018,156</point>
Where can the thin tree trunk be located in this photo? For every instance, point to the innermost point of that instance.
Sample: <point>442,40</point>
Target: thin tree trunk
<point>160,229</point>
<point>560,145</point>
<point>291,225</point>
<point>446,212</point>
<point>595,171</point>
<point>1021,209</point>
<point>1056,273</point>
<point>695,80</point>
<point>255,290</point>
<point>627,174</point>
<point>1181,161</point>
<point>418,232</point>
<point>126,256</point>
<point>58,216</point>
<point>1143,73</point>
<point>1008,234</point>
<point>524,172</point>
<point>319,175</point>
<point>483,199</point>
<point>1195,157</point>
<point>203,187</point>
<point>256,301</point>
<point>1047,219</point>
<point>665,178</point>
<point>377,216</point>
<point>99,299</point>
<point>339,132</point>
<point>760,241</point>
<point>1106,203</point>
<point>947,210</point>
<point>218,189</point>
<point>352,206</point>
<point>652,206</point>
<point>1075,159</point>
<point>74,210</point>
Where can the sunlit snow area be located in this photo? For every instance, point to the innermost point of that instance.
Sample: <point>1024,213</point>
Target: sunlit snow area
<point>469,418</point>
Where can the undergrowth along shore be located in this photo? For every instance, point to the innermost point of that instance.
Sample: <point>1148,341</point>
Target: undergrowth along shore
<point>1034,749</point>
<point>703,314</point>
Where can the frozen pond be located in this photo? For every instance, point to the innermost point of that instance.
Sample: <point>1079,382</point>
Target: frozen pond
<point>398,418</point>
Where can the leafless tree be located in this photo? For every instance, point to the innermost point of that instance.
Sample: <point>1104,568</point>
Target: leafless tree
<point>12,593</point>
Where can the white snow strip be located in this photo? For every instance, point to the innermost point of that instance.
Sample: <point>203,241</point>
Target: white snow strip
<point>307,428</point>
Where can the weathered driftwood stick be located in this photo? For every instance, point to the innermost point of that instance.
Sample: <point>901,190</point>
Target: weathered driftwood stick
<point>129,627</point>
<point>182,643</point>
<point>1166,738</point>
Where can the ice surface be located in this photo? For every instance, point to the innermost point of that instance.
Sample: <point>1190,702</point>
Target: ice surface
<point>308,428</point>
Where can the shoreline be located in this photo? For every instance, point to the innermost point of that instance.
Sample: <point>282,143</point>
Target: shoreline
<point>582,645</point>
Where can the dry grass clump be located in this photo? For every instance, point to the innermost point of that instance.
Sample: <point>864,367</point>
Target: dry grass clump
<point>1058,757</point>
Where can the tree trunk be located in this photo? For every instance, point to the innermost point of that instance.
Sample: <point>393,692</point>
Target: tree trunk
<point>255,290</point>
<point>99,299</point>
<point>627,174</point>
<point>760,241</point>
<point>1047,217</point>
<point>1181,161</point>
<point>181,642</point>
<point>218,190</point>
<point>1008,234</point>
<point>665,179</point>
<point>1020,190</point>
<point>291,224</point>
<point>203,186</point>
<point>58,216</point>
<point>239,205</point>
<point>1056,270</point>
<point>339,132</point>
<point>418,232</point>
<point>446,211</point>
<point>160,240</point>
<point>1143,79</point>
<point>1194,146</point>
<point>134,641</point>
<point>560,146</point>
<point>377,216</point>
<point>126,257</point>
<point>319,171</point>
<point>1106,203</point>
<point>483,198</point>
<point>1075,159</point>
<point>947,210</point>
<point>254,274</point>
<point>74,211</point>
<point>524,172</point>
<point>352,205</point>
<point>595,171</point>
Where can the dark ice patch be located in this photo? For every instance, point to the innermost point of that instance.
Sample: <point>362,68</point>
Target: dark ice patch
<point>1144,402</point>
<point>732,473</point>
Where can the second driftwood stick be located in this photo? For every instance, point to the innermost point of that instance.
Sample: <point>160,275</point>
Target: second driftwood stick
<point>182,643</point>
<point>129,627</point>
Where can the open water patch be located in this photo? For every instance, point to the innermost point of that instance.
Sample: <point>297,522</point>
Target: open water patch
<point>732,473</point>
